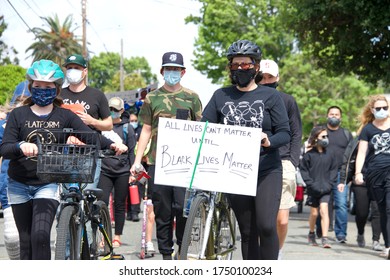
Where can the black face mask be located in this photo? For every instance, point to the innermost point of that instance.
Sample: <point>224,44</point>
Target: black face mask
<point>334,122</point>
<point>272,85</point>
<point>242,78</point>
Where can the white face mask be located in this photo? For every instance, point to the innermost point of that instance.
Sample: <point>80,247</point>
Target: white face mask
<point>74,76</point>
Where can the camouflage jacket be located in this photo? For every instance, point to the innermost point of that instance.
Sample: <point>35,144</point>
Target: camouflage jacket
<point>182,104</point>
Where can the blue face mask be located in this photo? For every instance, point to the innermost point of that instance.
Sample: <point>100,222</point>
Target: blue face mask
<point>43,96</point>
<point>172,77</point>
<point>115,115</point>
<point>134,125</point>
<point>382,114</point>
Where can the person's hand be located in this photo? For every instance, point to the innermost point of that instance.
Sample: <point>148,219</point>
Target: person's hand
<point>86,118</point>
<point>264,140</point>
<point>132,179</point>
<point>29,149</point>
<point>359,179</point>
<point>340,187</point>
<point>119,148</point>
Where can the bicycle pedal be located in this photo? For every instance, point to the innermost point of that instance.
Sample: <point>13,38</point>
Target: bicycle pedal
<point>117,257</point>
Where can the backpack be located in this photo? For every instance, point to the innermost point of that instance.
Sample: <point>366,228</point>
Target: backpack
<point>125,132</point>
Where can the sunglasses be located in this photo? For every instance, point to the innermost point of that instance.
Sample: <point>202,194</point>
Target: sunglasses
<point>114,110</point>
<point>324,136</point>
<point>243,65</point>
<point>380,108</point>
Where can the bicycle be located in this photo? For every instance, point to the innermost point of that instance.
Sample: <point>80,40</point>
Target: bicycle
<point>143,177</point>
<point>84,229</point>
<point>211,227</point>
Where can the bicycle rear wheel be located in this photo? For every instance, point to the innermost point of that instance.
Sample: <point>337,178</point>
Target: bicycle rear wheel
<point>66,240</point>
<point>101,232</point>
<point>194,232</point>
<point>226,233</point>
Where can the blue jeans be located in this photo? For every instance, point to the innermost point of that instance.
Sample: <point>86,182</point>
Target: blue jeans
<point>340,210</point>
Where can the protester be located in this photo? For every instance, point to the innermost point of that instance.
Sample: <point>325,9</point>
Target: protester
<point>289,153</point>
<point>166,101</point>
<point>115,172</point>
<point>34,202</point>
<point>257,215</point>
<point>96,112</point>
<point>374,155</point>
<point>319,171</point>
<point>363,201</point>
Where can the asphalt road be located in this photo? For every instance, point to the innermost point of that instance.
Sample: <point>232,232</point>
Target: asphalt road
<point>296,247</point>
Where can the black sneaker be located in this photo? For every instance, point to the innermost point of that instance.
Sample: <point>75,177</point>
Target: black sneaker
<point>134,217</point>
<point>311,238</point>
<point>167,257</point>
<point>341,239</point>
<point>325,243</point>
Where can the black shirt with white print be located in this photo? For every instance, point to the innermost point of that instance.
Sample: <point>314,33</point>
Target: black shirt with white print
<point>263,108</point>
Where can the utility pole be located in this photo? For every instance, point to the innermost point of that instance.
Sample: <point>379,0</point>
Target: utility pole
<point>84,15</point>
<point>122,88</point>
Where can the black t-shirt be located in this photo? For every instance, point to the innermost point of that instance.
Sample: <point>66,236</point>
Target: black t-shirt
<point>378,155</point>
<point>22,125</point>
<point>261,108</point>
<point>338,142</point>
<point>93,100</point>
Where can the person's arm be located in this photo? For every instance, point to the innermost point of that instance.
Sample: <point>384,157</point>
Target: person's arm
<point>296,133</point>
<point>142,143</point>
<point>360,158</point>
<point>100,125</point>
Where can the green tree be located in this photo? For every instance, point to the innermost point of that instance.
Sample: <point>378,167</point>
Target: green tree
<point>223,22</point>
<point>104,72</point>
<point>10,77</point>
<point>345,35</point>
<point>315,91</point>
<point>6,51</point>
<point>57,42</point>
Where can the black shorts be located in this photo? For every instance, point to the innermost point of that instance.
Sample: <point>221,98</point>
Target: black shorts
<point>316,201</point>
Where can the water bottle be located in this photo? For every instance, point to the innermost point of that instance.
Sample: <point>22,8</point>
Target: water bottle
<point>190,194</point>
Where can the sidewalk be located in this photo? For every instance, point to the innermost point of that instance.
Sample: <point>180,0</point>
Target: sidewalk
<point>295,248</point>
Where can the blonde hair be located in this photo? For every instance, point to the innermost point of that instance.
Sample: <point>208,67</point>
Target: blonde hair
<point>366,116</point>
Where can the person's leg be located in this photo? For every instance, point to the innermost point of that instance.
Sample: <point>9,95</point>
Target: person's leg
<point>244,210</point>
<point>324,219</point>
<point>44,211</point>
<point>341,213</point>
<point>376,226</point>
<point>120,196</point>
<point>178,204</point>
<point>106,184</point>
<point>149,226</point>
<point>23,219</point>
<point>287,200</point>
<point>162,202</point>
<point>362,207</point>
<point>267,203</point>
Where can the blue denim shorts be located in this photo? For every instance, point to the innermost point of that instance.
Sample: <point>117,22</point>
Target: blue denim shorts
<point>20,193</point>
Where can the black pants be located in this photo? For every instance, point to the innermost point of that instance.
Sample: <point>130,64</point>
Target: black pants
<point>119,187</point>
<point>256,217</point>
<point>363,203</point>
<point>168,203</point>
<point>34,220</point>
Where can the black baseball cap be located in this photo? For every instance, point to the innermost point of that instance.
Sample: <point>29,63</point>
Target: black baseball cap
<point>173,59</point>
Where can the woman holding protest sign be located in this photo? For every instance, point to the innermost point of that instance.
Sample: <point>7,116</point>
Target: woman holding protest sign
<point>247,104</point>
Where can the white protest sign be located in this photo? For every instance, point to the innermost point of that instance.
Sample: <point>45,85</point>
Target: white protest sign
<point>228,160</point>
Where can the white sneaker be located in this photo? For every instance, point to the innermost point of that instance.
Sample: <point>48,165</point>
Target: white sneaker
<point>376,246</point>
<point>150,247</point>
<point>385,252</point>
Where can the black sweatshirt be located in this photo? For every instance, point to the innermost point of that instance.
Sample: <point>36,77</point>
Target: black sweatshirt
<point>22,125</point>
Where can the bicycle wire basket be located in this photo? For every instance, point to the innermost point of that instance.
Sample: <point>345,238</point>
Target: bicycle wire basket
<point>67,156</point>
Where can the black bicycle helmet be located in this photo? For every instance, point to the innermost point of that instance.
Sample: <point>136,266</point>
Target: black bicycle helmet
<point>244,48</point>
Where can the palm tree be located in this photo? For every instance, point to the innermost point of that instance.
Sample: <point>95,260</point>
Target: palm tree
<point>57,43</point>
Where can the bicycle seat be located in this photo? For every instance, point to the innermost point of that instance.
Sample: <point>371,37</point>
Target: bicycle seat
<point>95,191</point>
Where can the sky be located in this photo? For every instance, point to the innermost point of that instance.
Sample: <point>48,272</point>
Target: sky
<point>147,28</point>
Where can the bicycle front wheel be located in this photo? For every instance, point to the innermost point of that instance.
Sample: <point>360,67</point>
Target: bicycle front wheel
<point>194,232</point>
<point>66,247</point>
<point>101,246</point>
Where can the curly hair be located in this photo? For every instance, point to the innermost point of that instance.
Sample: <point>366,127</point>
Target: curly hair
<point>366,115</point>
